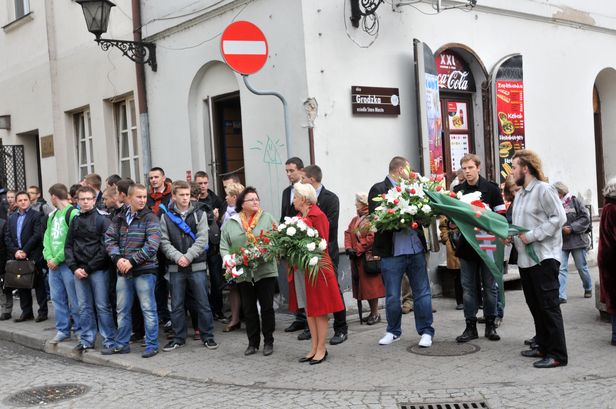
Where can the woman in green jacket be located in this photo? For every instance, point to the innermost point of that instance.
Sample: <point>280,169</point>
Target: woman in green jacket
<point>258,284</point>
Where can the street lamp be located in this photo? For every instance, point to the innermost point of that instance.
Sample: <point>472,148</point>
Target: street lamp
<point>96,13</point>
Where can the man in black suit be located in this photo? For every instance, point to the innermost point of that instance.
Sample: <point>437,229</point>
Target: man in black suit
<point>402,252</point>
<point>295,169</point>
<point>24,240</point>
<point>330,205</point>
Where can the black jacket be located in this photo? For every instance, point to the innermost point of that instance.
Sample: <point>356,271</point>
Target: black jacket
<point>31,236</point>
<point>384,241</point>
<point>85,245</point>
<point>491,195</point>
<point>287,210</point>
<point>330,205</point>
<point>2,246</point>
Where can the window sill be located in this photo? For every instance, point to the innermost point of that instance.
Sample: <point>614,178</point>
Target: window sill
<point>18,22</point>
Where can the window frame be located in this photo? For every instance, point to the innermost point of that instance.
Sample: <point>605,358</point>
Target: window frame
<point>82,123</point>
<point>126,110</point>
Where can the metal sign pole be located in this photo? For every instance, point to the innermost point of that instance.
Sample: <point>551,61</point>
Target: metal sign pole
<point>284,108</point>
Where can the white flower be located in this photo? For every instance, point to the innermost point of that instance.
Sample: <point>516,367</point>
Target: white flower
<point>392,195</point>
<point>313,261</point>
<point>311,233</point>
<point>282,226</point>
<point>426,209</point>
<point>311,246</point>
<point>291,231</point>
<point>423,179</point>
<point>301,225</point>
<point>470,197</point>
<point>402,221</point>
<point>237,272</point>
<point>412,210</point>
<point>459,195</point>
<point>322,245</point>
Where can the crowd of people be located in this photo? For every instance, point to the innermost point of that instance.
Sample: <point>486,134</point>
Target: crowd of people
<point>126,260</point>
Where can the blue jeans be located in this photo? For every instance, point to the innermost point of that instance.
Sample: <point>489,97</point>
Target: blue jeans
<point>414,266</point>
<point>93,292</point>
<point>197,280</point>
<point>64,299</point>
<point>469,271</point>
<point>143,286</point>
<point>579,257</point>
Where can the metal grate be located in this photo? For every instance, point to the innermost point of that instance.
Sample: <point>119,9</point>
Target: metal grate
<point>445,348</point>
<point>473,404</point>
<point>13,167</point>
<point>47,394</point>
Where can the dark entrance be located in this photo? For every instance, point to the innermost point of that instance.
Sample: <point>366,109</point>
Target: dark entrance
<point>596,107</point>
<point>229,145</point>
<point>13,167</point>
<point>458,130</point>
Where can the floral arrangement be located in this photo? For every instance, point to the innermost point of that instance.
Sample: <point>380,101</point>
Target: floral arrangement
<point>250,257</point>
<point>406,206</point>
<point>299,243</point>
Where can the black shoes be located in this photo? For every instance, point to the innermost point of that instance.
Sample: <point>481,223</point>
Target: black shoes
<point>490,332</point>
<point>562,300</point>
<point>268,349</point>
<point>5,316</point>
<point>250,350</point>
<point>82,347</point>
<point>318,361</point>
<point>172,345</point>
<point>305,359</point>
<point>304,335</point>
<point>23,318</point>
<point>373,319</point>
<point>295,326</point>
<point>41,318</point>
<point>548,363</point>
<point>338,338</point>
<point>532,353</point>
<point>469,333</point>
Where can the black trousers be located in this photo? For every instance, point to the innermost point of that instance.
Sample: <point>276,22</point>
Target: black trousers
<point>214,266</point>
<point>161,291</point>
<point>25,297</point>
<point>263,291</point>
<point>540,285</point>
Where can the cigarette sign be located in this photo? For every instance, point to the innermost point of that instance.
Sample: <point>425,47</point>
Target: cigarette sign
<point>244,47</point>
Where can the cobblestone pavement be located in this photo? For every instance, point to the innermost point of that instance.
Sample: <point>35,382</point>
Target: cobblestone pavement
<point>358,373</point>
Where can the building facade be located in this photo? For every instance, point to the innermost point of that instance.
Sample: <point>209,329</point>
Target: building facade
<point>71,106</point>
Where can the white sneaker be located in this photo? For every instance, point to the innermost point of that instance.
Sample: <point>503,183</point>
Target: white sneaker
<point>389,338</point>
<point>425,341</point>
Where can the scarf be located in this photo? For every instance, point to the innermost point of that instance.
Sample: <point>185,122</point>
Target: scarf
<point>249,224</point>
<point>157,197</point>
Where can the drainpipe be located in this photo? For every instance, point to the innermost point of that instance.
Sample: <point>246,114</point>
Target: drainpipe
<point>144,123</point>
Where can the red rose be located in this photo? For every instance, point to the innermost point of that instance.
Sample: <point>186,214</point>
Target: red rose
<point>391,211</point>
<point>439,188</point>
<point>414,225</point>
<point>452,194</point>
<point>413,175</point>
<point>396,201</point>
<point>266,240</point>
<point>398,188</point>
<point>412,191</point>
<point>439,178</point>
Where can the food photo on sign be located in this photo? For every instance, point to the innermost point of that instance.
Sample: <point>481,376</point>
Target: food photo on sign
<point>457,116</point>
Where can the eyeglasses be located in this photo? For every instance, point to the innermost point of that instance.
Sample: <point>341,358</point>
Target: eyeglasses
<point>252,200</point>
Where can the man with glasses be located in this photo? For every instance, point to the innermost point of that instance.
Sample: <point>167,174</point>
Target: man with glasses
<point>87,259</point>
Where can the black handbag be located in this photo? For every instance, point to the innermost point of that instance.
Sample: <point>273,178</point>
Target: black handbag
<point>19,274</point>
<point>372,264</point>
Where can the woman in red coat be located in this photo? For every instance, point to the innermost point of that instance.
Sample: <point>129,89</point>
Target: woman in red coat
<point>358,240</point>
<point>607,253</point>
<point>318,298</point>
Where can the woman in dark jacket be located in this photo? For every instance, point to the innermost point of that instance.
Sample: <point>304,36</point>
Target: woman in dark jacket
<point>607,253</point>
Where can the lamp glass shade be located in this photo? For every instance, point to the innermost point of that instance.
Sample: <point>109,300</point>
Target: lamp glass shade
<point>96,13</point>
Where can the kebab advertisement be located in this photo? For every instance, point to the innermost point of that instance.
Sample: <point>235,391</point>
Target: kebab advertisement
<point>510,117</point>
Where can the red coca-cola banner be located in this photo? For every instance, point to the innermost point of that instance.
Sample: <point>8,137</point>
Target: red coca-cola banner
<point>453,73</point>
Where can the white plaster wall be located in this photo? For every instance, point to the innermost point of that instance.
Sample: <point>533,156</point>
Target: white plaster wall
<point>560,66</point>
<point>183,56</point>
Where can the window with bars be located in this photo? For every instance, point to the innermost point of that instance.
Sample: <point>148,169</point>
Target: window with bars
<point>22,7</point>
<point>85,143</point>
<point>127,140</point>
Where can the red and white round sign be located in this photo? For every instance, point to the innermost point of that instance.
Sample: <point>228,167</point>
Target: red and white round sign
<point>244,47</point>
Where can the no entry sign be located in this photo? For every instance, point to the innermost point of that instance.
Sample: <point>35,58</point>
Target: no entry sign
<point>244,47</point>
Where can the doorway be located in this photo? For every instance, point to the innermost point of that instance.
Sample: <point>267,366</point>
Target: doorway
<point>596,107</point>
<point>228,141</point>
<point>458,131</point>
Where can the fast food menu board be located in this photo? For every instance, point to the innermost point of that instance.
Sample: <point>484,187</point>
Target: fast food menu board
<point>458,145</point>
<point>457,116</point>
<point>510,117</point>
<point>433,110</point>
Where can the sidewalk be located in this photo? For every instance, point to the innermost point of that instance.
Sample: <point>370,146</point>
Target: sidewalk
<point>360,364</point>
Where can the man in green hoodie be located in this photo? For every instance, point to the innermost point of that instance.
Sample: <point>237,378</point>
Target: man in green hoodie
<point>61,278</point>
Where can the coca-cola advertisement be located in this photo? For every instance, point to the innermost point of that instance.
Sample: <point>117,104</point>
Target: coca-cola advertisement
<point>453,73</point>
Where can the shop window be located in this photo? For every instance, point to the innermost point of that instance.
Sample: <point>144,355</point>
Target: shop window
<point>22,7</point>
<point>127,139</point>
<point>84,142</point>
